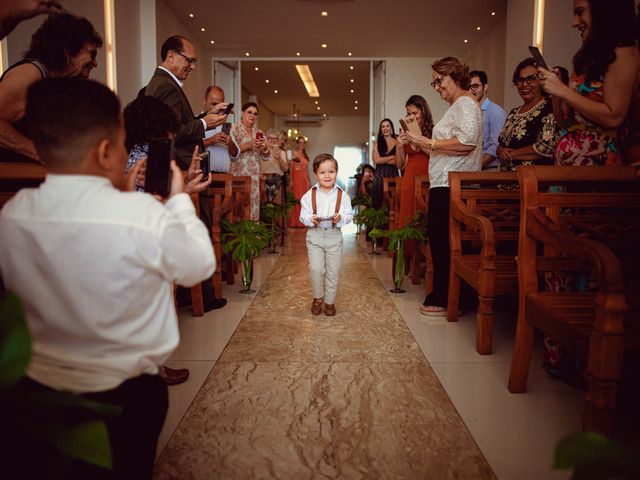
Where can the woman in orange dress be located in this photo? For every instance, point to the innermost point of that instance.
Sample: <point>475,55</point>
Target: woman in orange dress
<point>413,162</point>
<point>299,179</point>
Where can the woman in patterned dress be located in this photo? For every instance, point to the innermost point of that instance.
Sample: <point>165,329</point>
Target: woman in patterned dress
<point>606,70</point>
<point>252,149</point>
<point>530,131</point>
<point>384,157</point>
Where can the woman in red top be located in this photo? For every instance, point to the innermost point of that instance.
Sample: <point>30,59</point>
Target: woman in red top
<point>299,179</point>
<point>414,163</point>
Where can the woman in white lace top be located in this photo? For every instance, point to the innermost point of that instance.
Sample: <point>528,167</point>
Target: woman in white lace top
<point>455,146</point>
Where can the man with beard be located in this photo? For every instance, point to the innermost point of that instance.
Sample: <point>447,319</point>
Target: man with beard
<point>63,46</point>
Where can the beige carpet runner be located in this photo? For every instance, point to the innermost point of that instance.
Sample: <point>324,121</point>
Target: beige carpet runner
<point>295,396</point>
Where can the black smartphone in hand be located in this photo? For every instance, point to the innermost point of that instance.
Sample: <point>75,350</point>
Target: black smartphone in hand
<point>537,56</point>
<point>227,110</point>
<point>158,174</point>
<point>226,128</point>
<point>205,164</point>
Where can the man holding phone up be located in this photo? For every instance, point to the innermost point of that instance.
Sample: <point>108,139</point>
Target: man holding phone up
<point>219,141</point>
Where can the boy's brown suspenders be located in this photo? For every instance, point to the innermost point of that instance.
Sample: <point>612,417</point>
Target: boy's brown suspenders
<point>314,205</point>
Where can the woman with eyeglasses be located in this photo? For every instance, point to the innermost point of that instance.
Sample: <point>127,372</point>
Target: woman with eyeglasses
<point>530,131</point>
<point>252,148</point>
<point>384,157</point>
<point>455,146</point>
<point>606,71</point>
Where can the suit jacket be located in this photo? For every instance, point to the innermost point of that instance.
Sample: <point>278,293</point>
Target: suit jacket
<point>191,131</point>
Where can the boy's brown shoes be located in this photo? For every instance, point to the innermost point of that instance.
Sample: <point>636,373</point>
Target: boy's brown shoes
<point>316,306</point>
<point>329,310</point>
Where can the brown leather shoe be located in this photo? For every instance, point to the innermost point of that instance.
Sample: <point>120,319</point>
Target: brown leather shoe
<point>316,306</point>
<point>173,376</point>
<point>329,309</point>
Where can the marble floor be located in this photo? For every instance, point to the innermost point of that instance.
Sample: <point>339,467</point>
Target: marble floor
<point>378,391</point>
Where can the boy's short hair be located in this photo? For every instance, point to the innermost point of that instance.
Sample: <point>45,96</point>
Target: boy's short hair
<point>323,157</point>
<point>66,117</point>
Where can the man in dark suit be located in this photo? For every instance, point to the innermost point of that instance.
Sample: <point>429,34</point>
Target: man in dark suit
<point>179,58</point>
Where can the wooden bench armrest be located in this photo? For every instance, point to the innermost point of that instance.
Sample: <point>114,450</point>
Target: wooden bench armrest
<point>606,264</point>
<point>462,214</point>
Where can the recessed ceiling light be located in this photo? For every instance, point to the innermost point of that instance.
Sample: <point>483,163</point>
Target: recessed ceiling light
<point>275,91</point>
<point>355,108</point>
<point>317,108</point>
<point>246,54</point>
<point>478,28</point>
<point>324,114</point>
<point>212,42</point>
<point>191,15</point>
<point>202,29</point>
<point>493,14</point>
<point>266,81</point>
<point>325,14</point>
<point>316,102</point>
<point>351,67</point>
<point>256,68</point>
<point>349,53</point>
<point>351,80</point>
<point>355,101</point>
<point>466,40</point>
<point>297,54</point>
<point>352,90</point>
<point>324,45</point>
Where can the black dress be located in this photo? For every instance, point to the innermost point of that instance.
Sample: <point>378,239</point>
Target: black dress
<point>383,170</point>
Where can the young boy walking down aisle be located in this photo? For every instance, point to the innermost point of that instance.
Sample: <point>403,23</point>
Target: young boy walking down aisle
<point>325,208</point>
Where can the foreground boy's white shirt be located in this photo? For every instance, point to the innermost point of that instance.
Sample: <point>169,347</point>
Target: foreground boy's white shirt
<point>95,269</point>
<point>326,204</point>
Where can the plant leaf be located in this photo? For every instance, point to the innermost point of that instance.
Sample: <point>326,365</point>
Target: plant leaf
<point>15,341</point>
<point>87,441</point>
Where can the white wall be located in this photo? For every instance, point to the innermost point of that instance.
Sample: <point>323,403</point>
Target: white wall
<point>519,37</point>
<point>129,52</point>
<point>560,41</point>
<point>347,130</point>
<point>488,55</point>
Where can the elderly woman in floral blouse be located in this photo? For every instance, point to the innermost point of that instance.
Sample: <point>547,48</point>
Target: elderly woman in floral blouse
<point>530,131</point>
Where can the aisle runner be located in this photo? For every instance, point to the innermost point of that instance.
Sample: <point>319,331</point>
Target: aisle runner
<point>295,396</point>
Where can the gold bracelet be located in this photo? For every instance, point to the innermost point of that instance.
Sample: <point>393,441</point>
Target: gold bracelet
<point>432,145</point>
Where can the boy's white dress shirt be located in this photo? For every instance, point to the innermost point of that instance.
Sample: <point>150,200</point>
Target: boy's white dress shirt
<point>95,269</point>
<point>326,205</point>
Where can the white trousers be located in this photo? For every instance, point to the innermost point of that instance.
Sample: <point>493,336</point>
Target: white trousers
<point>324,248</point>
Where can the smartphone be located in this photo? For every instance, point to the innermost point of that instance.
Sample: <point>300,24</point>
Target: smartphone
<point>205,164</point>
<point>403,125</point>
<point>537,56</point>
<point>259,136</point>
<point>226,128</point>
<point>227,110</point>
<point>158,176</point>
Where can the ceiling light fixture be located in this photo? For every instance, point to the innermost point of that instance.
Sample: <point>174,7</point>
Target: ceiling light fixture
<point>351,80</point>
<point>351,67</point>
<point>324,45</point>
<point>355,108</point>
<point>266,81</point>
<point>246,54</point>
<point>275,91</point>
<point>324,114</point>
<point>191,15</point>
<point>493,14</point>
<point>349,54</point>
<point>478,28</point>
<point>297,54</point>
<point>212,42</point>
<point>316,102</point>
<point>352,90</point>
<point>202,29</point>
<point>307,78</point>
<point>318,108</point>
<point>466,40</point>
<point>256,68</point>
<point>355,101</point>
<point>325,14</point>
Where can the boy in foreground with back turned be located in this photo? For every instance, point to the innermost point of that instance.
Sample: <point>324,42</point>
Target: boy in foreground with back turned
<point>325,209</point>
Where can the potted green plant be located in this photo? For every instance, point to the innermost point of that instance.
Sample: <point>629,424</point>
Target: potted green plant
<point>271,212</point>
<point>57,427</point>
<point>375,218</point>
<point>245,240</point>
<point>359,202</point>
<point>415,229</point>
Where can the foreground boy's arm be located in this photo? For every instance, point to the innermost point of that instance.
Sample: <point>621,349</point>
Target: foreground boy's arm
<point>307,217</point>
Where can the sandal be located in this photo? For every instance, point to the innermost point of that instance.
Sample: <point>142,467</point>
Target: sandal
<point>434,311</point>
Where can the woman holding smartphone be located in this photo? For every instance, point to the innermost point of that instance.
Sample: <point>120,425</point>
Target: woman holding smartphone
<point>299,179</point>
<point>384,157</point>
<point>606,69</point>
<point>252,148</point>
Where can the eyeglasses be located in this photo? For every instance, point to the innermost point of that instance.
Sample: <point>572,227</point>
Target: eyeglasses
<point>191,60</point>
<point>437,81</point>
<point>92,51</point>
<point>528,80</point>
<point>475,86</point>
<point>273,139</point>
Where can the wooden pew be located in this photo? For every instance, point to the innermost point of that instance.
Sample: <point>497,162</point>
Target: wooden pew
<point>391,195</point>
<point>422,205</point>
<point>17,175</point>
<point>220,195</point>
<point>581,228</point>
<point>484,213</point>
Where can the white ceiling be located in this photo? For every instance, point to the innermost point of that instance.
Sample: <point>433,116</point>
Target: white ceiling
<point>366,28</point>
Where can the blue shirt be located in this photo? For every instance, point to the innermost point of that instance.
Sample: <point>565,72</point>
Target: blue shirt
<point>493,120</point>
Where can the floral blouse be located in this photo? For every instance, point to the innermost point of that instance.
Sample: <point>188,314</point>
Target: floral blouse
<point>536,127</point>
<point>582,142</point>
